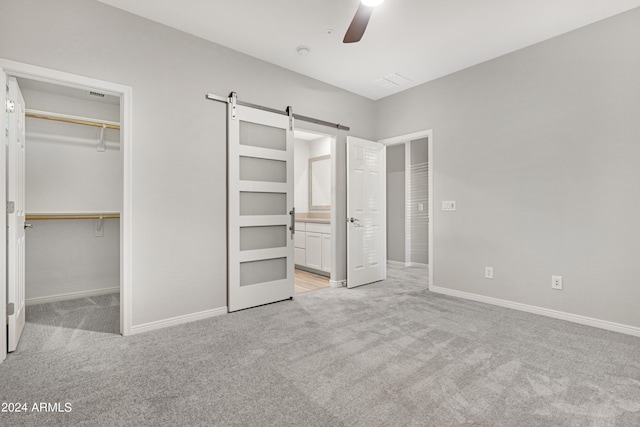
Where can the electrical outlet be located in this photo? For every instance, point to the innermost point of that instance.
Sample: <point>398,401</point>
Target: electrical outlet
<point>488,272</point>
<point>556,282</point>
<point>449,205</point>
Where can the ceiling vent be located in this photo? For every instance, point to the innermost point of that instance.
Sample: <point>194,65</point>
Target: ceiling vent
<point>392,81</point>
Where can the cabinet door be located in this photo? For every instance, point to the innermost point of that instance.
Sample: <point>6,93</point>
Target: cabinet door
<point>300,257</point>
<point>314,250</point>
<point>326,252</point>
<point>299,240</point>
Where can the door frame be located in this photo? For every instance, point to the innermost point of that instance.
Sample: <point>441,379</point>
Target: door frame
<point>32,72</point>
<point>401,139</point>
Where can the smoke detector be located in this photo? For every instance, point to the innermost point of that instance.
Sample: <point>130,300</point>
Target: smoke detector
<point>303,50</point>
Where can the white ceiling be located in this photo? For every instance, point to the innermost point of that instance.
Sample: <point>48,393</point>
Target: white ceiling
<point>420,40</point>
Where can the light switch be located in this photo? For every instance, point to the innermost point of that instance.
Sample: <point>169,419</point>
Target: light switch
<point>449,205</point>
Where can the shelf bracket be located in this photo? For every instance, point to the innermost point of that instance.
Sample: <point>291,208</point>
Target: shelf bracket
<point>102,142</point>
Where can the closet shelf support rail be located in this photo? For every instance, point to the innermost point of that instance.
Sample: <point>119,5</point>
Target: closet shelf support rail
<point>45,115</point>
<point>35,217</point>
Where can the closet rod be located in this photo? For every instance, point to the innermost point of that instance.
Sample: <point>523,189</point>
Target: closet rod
<point>71,119</point>
<point>71,216</point>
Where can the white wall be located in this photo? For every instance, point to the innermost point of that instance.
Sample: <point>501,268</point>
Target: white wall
<point>320,147</point>
<point>539,148</point>
<point>303,151</point>
<point>301,174</point>
<point>65,260</point>
<point>179,148</point>
<point>66,174</point>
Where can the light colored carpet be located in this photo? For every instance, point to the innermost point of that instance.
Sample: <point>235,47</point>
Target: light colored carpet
<point>386,354</point>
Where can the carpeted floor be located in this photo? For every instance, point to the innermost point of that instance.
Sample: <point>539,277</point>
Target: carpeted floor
<point>386,354</point>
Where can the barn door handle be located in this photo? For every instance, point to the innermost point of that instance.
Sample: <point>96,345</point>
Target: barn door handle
<point>26,225</point>
<point>292,227</point>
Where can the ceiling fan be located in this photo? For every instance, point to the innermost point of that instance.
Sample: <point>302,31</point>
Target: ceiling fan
<point>360,21</point>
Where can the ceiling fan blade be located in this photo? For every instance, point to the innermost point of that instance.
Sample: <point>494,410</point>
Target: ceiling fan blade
<point>359,24</point>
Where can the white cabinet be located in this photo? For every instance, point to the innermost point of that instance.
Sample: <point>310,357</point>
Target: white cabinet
<point>299,242</point>
<point>313,246</point>
<point>314,250</point>
<point>326,253</point>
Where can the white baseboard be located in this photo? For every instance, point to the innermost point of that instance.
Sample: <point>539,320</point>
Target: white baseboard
<point>575,318</point>
<point>337,283</point>
<point>406,264</point>
<point>178,320</point>
<point>395,263</point>
<point>71,295</point>
<point>416,264</point>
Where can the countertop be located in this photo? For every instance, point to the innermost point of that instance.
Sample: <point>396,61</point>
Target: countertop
<point>317,218</point>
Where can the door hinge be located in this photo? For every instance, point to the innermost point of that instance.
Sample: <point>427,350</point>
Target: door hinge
<point>11,207</point>
<point>11,308</point>
<point>11,106</point>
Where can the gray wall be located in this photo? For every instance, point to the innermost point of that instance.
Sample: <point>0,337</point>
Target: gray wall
<point>540,150</point>
<point>179,174</point>
<point>396,203</point>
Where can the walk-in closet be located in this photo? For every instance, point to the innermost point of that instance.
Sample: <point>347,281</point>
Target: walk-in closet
<point>73,203</point>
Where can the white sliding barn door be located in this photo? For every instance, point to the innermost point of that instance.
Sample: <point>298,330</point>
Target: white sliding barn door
<point>366,209</point>
<point>15,215</point>
<point>260,208</point>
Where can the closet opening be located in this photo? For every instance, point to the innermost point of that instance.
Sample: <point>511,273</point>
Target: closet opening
<point>73,203</point>
<point>313,195</point>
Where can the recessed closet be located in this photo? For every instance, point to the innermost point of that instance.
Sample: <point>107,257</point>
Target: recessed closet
<point>73,201</point>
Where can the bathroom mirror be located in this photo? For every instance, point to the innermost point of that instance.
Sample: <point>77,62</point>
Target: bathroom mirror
<point>320,183</point>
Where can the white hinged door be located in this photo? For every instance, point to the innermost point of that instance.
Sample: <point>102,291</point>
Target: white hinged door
<point>4,94</point>
<point>366,210</point>
<point>260,207</point>
<point>16,216</point>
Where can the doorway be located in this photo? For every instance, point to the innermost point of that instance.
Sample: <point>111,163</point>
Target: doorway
<point>409,203</point>
<point>43,87</point>
<point>73,202</point>
<point>313,207</point>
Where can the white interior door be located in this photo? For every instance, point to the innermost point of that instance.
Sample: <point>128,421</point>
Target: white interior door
<point>366,211</point>
<point>260,208</point>
<point>4,94</point>
<point>15,215</point>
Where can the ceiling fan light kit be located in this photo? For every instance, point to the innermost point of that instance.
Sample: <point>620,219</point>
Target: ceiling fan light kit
<point>360,21</point>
